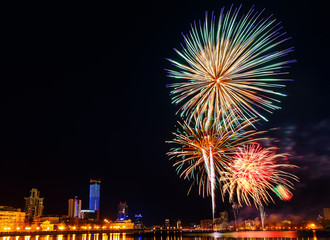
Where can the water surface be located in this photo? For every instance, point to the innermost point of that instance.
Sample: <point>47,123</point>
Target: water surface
<point>249,235</point>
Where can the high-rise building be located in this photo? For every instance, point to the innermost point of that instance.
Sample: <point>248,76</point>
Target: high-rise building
<point>167,223</point>
<point>138,221</point>
<point>122,211</point>
<point>74,210</point>
<point>224,216</point>
<point>326,212</point>
<point>178,224</point>
<point>94,196</point>
<point>221,223</point>
<point>34,204</point>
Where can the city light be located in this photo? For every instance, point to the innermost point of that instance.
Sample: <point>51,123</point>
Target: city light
<point>122,223</point>
<point>312,226</point>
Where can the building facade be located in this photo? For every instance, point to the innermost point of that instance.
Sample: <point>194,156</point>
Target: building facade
<point>249,225</point>
<point>326,212</point>
<point>224,216</point>
<point>11,218</point>
<point>47,226</point>
<point>123,224</point>
<point>94,196</point>
<point>167,223</point>
<point>122,211</point>
<point>88,214</point>
<point>206,224</point>
<point>221,223</point>
<point>34,204</point>
<point>74,209</point>
<point>138,221</point>
<point>178,224</point>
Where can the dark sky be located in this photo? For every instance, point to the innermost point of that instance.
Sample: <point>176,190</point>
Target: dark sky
<point>83,96</point>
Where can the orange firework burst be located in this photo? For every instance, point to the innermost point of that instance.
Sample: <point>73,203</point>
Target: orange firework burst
<point>204,153</point>
<point>253,172</point>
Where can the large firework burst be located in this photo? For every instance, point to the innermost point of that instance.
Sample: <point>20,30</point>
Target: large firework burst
<point>204,153</point>
<point>230,66</point>
<point>255,172</point>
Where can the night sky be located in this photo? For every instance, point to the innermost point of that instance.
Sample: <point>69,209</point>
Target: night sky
<point>83,95</point>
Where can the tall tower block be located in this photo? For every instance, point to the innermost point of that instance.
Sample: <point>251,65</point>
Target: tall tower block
<point>74,210</point>
<point>34,204</point>
<point>94,196</point>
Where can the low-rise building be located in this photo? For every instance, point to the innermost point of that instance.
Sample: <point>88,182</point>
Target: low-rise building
<point>249,225</point>
<point>51,219</point>
<point>124,224</point>
<point>47,226</point>
<point>11,218</point>
<point>206,224</point>
<point>88,214</point>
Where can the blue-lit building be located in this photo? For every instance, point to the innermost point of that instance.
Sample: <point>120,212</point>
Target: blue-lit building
<point>94,196</point>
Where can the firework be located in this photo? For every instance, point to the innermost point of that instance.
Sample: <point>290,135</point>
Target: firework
<point>231,65</point>
<point>254,172</point>
<point>282,192</point>
<point>204,153</point>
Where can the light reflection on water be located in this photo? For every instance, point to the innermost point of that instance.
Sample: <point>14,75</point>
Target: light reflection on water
<point>251,235</point>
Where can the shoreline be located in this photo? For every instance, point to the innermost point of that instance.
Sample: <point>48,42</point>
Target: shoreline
<point>300,233</point>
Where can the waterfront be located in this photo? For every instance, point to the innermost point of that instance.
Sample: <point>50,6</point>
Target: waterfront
<point>251,235</point>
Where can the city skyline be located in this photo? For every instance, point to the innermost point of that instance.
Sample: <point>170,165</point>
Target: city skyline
<point>74,210</point>
<point>84,97</point>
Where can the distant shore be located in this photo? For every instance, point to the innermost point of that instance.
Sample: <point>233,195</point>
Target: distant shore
<point>299,233</point>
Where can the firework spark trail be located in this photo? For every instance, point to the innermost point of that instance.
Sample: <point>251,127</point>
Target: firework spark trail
<point>253,173</point>
<point>204,153</point>
<point>209,173</point>
<point>231,66</point>
<point>212,182</point>
<point>209,166</point>
<point>262,216</point>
